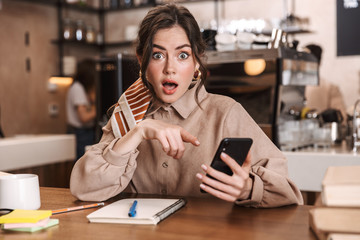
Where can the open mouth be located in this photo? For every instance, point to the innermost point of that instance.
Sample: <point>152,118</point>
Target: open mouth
<point>169,86</point>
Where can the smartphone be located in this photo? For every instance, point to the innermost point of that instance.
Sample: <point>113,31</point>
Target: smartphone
<point>237,148</point>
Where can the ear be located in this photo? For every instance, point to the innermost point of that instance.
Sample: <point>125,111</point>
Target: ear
<point>197,65</point>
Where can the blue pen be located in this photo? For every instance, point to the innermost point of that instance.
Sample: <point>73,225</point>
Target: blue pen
<point>132,210</point>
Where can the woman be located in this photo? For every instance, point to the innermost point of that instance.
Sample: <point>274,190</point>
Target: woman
<point>183,125</point>
<point>80,106</point>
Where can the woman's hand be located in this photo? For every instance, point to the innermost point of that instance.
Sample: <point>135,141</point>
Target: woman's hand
<point>86,113</point>
<point>92,96</point>
<point>171,137</point>
<point>228,188</point>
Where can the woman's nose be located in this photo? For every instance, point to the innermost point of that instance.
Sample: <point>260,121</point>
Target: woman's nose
<point>170,66</point>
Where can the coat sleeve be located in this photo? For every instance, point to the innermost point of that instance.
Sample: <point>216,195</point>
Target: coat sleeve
<point>269,171</point>
<point>101,173</point>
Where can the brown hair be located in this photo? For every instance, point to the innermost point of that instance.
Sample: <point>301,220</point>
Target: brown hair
<point>85,74</point>
<point>163,17</point>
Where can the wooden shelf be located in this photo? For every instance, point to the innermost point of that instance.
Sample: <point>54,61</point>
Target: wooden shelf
<point>119,44</point>
<point>86,8</point>
<point>288,31</point>
<point>45,2</point>
<point>85,44</point>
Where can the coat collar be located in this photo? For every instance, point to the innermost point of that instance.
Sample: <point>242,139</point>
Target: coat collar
<point>185,105</point>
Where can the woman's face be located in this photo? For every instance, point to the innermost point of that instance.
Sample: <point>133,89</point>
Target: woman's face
<point>172,65</point>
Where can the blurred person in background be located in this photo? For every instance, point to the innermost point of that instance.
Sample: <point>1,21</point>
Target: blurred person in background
<point>80,106</point>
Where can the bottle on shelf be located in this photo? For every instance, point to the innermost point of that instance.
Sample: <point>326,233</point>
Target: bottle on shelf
<point>83,3</point>
<point>78,2</point>
<point>114,4</point>
<point>99,38</point>
<point>126,3</point>
<point>80,30</point>
<point>68,29</point>
<point>299,113</point>
<point>111,4</point>
<point>90,34</point>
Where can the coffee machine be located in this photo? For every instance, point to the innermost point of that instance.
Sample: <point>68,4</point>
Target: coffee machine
<point>269,83</point>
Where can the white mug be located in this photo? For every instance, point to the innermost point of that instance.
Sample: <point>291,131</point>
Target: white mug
<point>20,191</point>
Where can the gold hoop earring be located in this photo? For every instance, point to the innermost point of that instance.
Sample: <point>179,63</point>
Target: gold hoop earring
<point>197,75</point>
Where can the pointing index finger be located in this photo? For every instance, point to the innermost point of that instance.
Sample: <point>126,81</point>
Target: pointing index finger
<point>187,137</point>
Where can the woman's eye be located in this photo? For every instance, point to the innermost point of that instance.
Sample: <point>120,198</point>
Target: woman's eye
<point>183,55</point>
<point>157,56</point>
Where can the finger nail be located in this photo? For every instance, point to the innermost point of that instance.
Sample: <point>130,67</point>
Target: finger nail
<point>197,142</point>
<point>203,167</point>
<point>202,186</point>
<point>223,154</point>
<point>199,176</point>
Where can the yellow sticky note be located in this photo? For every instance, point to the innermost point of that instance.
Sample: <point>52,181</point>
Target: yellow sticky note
<point>25,216</point>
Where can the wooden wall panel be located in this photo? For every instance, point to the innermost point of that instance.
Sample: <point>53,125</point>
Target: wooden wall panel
<point>24,96</point>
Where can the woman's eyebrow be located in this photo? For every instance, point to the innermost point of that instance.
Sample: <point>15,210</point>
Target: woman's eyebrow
<point>160,47</point>
<point>182,46</point>
<point>177,48</point>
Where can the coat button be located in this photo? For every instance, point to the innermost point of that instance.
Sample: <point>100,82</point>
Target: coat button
<point>165,165</point>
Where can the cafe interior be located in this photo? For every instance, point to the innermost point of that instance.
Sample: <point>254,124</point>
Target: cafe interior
<point>256,54</point>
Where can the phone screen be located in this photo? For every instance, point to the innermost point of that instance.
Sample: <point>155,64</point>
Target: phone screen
<point>237,148</point>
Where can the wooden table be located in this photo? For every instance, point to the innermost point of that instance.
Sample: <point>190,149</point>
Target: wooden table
<point>201,218</point>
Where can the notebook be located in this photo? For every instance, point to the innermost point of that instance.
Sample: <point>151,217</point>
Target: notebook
<point>341,186</point>
<point>149,211</point>
<point>338,222</point>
